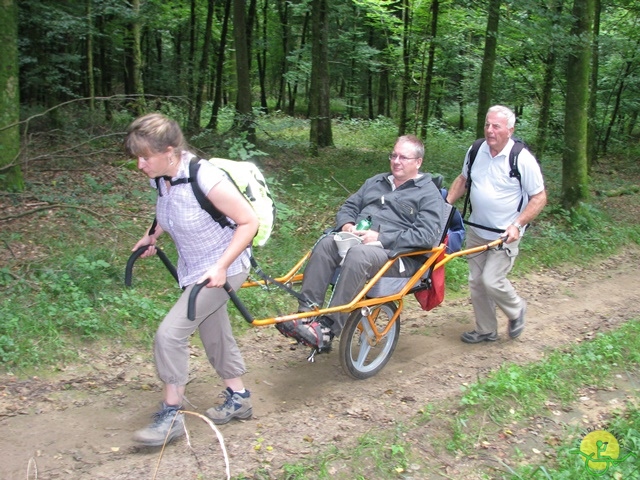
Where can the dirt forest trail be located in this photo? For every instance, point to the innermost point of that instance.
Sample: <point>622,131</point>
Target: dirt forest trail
<point>77,423</point>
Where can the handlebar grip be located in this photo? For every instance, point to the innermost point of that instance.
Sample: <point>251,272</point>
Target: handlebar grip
<point>128,271</point>
<point>191,304</point>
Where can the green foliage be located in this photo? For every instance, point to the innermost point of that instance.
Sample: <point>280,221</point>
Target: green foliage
<point>242,149</point>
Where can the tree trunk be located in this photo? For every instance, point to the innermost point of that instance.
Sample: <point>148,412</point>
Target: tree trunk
<point>488,65</point>
<point>200,73</point>
<point>105,70</point>
<point>91,81</point>
<point>435,7</point>
<point>616,105</point>
<point>134,60</point>
<point>261,57</point>
<point>592,146</point>
<point>244,115</point>
<point>11,178</point>
<point>320,134</point>
<point>574,159</point>
<point>283,15</point>
<point>406,73</point>
<point>217,95</point>
<point>293,89</point>
<point>191,65</point>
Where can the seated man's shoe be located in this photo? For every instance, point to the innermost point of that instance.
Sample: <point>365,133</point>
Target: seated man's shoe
<point>167,424</point>
<point>475,337</point>
<point>316,334</point>
<point>236,405</point>
<point>517,326</point>
<point>288,328</point>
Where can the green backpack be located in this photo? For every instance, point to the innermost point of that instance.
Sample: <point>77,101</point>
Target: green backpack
<point>249,180</point>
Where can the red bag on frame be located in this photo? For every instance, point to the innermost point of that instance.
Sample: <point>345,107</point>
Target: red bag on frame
<point>429,298</point>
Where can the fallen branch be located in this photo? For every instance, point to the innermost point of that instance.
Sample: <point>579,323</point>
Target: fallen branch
<point>58,205</point>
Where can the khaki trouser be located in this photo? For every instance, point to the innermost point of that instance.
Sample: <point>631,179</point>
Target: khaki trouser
<point>489,285</point>
<point>360,264</point>
<point>171,346</point>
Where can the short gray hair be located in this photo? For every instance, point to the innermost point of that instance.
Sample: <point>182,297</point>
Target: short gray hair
<point>506,112</point>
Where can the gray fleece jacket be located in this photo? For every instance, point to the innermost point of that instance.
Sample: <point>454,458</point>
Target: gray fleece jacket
<point>411,216</point>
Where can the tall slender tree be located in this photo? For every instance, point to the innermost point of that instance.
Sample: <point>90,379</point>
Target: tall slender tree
<point>435,7</point>
<point>217,91</point>
<point>592,138</point>
<point>10,171</point>
<point>320,135</point>
<point>406,67</point>
<point>244,114</point>
<point>575,180</point>
<point>200,73</point>
<point>488,65</point>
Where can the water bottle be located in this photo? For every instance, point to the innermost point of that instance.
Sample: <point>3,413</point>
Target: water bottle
<point>364,224</point>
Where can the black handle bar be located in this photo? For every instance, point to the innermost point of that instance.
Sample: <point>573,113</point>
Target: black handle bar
<point>128,271</point>
<point>191,305</point>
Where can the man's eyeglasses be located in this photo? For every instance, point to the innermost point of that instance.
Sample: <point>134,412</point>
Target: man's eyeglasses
<point>394,156</point>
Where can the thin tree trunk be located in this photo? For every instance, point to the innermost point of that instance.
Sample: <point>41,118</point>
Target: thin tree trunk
<point>191,66</point>
<point>320,134</point>
<point>105,69</point>
<point>435,7</point>
<point>91,81</point>
<point>137,87</point>
<point>283,14</point>
<point>217,96</point>
<point>592,146</point>
<point>200,74</point>
<point>616,105</point>
<point>293,89</point>
<point>244,115</point>
<point>544,115</point>
<point>488,65</point>
<point>262,59</point>
<point>406,73</point>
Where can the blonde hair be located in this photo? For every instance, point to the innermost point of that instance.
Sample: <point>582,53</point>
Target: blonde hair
<point>153,133</point>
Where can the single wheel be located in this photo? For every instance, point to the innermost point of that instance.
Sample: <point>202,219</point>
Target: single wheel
<point>363,353</point>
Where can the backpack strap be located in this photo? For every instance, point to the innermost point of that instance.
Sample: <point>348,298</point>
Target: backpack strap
<point>205,203</point>
<point>518,146</point>
<point>473,153</point>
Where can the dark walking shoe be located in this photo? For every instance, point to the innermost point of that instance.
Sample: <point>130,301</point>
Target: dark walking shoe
<point>167,424</point>
<point>315,334</point>
<point>236,405</point>
<point>517,326</point>
<point>475,337</point>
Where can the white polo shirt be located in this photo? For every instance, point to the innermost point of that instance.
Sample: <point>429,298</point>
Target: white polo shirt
<point>494,195</point>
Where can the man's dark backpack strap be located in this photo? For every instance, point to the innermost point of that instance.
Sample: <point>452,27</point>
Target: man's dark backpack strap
<point>513,165</point>
<point>473,153</point>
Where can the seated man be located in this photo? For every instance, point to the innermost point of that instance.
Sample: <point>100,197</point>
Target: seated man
<point>406,211</point>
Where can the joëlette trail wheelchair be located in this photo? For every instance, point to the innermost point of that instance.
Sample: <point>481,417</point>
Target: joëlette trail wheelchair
<point>371,332</point>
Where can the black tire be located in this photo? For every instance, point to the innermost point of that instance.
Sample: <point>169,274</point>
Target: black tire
<point>361,355</point>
